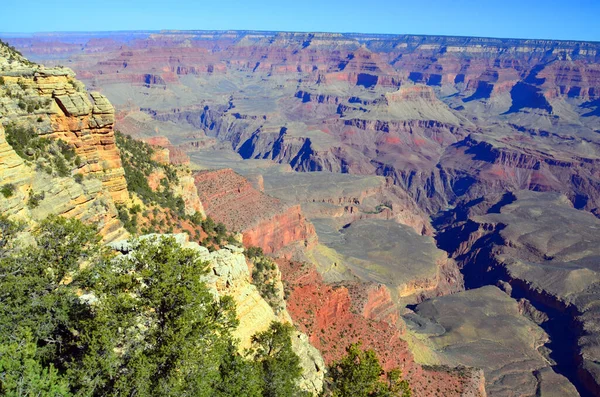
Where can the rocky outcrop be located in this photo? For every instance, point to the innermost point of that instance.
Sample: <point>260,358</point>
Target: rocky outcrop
<point>266,222</point>
<point>186,189</point>
<point>184,186</point>
<point>57,105</point>
<point>48,101</point>
<point>90,130</point>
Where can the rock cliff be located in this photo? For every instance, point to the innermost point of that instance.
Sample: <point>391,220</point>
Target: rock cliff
<point>265,221</point>
<point>50,100</point>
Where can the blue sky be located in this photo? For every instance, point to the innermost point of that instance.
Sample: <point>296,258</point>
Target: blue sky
<point>553,19</point>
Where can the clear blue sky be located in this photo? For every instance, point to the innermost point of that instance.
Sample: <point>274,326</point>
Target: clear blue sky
<point>556,19</point>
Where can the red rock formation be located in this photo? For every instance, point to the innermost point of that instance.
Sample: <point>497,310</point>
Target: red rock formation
<point>280,230</point>
<point>266,222</point>
<point>89,128</point>
<point>335,316</point>
<point>167,153</point>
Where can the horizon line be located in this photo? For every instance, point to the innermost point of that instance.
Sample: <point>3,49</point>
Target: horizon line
<point>159,31</point>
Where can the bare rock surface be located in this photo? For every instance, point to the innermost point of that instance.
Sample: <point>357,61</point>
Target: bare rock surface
<point>545,253</point>
<point>265,221</point>
<point>483,328</point>
<point>388,253</point>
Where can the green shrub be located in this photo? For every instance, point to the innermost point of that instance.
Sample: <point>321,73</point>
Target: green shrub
<point>66,150</point>
<point>2,80</point>
<point>8,190</point>
<point>60,165</point>
<point>208,225</point>
<point>130,223</point>
<point>272,350</point>
<point>358,374</point>
<point>253,252</point>
<point>25,141</point>
<point>136,157</point>
<point>265,276</point>
<point>30,146</point>
<point>78,178</point>
<point>35,199</point>
<point>196,218</point>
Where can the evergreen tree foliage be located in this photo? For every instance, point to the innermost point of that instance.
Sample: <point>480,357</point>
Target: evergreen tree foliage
<point>75,319</point>
<point>272,349</point>
<point>359,374</point>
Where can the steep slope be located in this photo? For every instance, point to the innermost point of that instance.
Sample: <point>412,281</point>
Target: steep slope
<point>39,104</point>
<point>544,253</point>
<point>264,221</point>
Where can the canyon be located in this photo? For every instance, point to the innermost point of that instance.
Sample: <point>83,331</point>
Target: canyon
<point>436,198</point>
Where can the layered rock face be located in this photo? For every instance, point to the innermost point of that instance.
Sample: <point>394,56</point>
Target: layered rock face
<point>405,107</point>
<point>229,275</point>
<point>89,127</point>
<point>49,100</point>
<point>70,115</point>
<point>265,222</point>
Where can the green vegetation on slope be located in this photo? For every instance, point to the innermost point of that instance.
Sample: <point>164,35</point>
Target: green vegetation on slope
<point>168,212</point>
<point>359,374</point>
<point>264,276</point>
<point>12,53</point>
<point>136,157</point>
<point>54,157</point>
<point>8,190</point>
<point>77,320</point>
